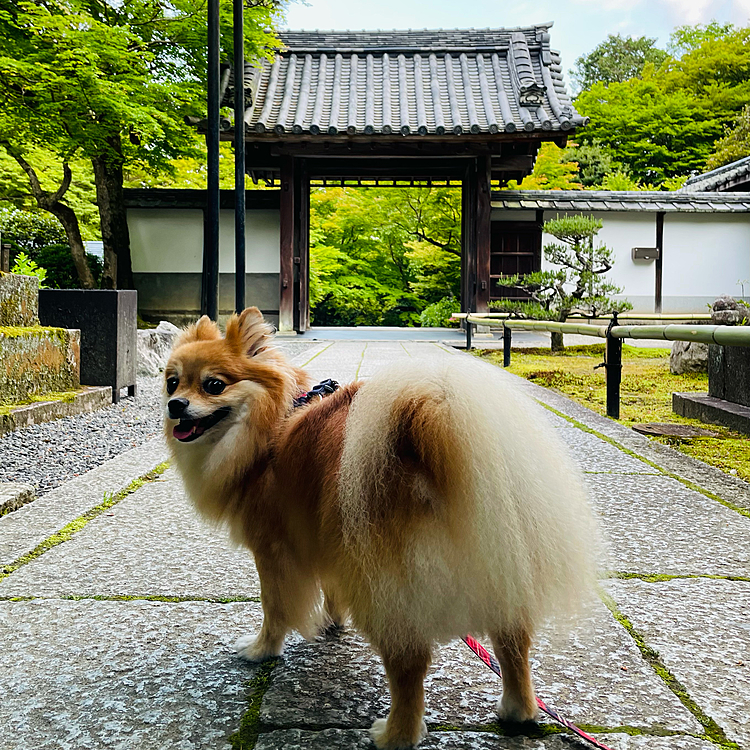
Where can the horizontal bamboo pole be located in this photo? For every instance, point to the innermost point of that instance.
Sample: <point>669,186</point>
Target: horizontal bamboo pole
<point>723,335</point>
<point>621,316</point>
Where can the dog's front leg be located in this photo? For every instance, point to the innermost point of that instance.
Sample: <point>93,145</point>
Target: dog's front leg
<point>404,726</point>
<point>284,594</point>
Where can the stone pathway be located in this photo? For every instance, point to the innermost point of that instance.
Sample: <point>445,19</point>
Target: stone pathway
<point>121,636</point>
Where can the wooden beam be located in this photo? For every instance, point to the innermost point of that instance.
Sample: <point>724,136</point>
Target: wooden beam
<point>286,245</point>
<point>303,251</point>
<point>658,262</point>
<point>483,218</point>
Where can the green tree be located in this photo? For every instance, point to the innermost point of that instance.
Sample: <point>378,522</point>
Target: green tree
<point>666,123</point>
<point>686,39</point>
<point>594,162</point>
<point>735,144</point>
<point>553,170</point>
<point>111,83</point>
<point>615,60</point>
<point>575,280</point>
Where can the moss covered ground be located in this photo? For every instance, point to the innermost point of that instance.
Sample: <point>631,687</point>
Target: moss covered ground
<point>645,394</point>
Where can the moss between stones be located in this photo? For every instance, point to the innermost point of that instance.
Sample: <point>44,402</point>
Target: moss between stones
<point>713,731</point>
<point>69,530</point>
<point>250,724</point>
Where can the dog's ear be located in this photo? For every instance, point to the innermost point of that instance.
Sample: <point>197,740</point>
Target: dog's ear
<point>248,332</point>
<point>204,330</point>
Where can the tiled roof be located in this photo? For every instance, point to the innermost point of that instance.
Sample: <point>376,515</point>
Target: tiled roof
<point>604,200</point>
<point>721,179</point>
<point>463,81</point>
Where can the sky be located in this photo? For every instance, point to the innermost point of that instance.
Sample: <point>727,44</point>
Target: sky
<point>579,25</point>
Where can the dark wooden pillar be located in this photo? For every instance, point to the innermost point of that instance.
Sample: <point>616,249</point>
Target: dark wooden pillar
<point>483,219</point>
<point>469,238</point>
<point>302,251</point>
<point>287,211</point>
<point>658,262</point>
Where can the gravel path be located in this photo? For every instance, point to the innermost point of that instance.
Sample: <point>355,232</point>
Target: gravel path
<point>46,455</point>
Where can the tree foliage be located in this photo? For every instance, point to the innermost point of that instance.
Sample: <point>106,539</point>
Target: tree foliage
<point>574,282</point>
<point>109,82</point>
<point>553,170</point>
<point>735,144</point>
<point>615,60</point>
<point>379,256</point>
<point>665,123</point>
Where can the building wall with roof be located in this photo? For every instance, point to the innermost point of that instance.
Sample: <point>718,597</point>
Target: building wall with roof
<point>167,256</point>
<point>704,253</point>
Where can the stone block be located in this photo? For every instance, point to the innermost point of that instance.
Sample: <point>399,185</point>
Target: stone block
<point>729,373</point>
<point>688,356</point>
<point>712,410</point>
<point>107,320</point>
<point>18,300</point>
<point>37,360</point>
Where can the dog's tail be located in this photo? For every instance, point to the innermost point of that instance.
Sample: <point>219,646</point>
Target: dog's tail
<point>453,479</point>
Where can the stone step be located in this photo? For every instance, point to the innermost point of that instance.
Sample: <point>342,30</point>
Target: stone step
<point>19,300</point>
<point>83,400</point>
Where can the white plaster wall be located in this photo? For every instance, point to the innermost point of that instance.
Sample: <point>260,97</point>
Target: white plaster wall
<point>622,231</point>
<point>705,254</point>
<point>171,240</point>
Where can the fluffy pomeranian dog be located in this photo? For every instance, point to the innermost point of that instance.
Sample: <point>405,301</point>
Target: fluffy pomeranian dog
<point>429,502</point>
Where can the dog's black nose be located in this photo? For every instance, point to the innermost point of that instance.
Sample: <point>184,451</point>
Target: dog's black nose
<point>176,407</point>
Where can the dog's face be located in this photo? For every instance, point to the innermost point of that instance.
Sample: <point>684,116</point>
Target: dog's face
<point>214,383</point>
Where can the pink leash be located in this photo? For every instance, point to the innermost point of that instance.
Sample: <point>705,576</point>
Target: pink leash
<point>491,662</point>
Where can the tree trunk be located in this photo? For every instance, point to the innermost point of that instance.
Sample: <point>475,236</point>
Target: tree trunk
<point>556,339</point>
<point>66,216</point>
<point>52,202</point>
<point>108,177</point>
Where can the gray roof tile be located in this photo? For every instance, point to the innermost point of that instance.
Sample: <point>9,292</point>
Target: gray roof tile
<point>460,81</point>
<point>721,179</point>
<point>603,200</point>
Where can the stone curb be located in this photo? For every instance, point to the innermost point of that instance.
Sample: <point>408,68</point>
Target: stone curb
<point>13,495</point>
<point>689,469</point>
<point>87,400</point>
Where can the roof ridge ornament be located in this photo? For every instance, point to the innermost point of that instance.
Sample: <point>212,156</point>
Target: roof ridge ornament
<point>530,92</point>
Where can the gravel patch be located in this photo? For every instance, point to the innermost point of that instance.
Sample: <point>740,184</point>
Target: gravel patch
<point>46,455</point>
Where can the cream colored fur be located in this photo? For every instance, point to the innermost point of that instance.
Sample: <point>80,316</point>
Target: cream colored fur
<point>528,548</point>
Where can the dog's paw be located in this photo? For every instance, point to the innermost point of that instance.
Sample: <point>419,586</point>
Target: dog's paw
<point>382,739</point>
<point>253,648</point>
<point>513,711</point>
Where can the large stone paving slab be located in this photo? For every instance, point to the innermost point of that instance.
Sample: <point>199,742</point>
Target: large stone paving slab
<point>125,675</point>
<point>22,530</point>
<point>701,629</point>
<point>150,543</point>
<point>340,361</point>
<point>596,677</point>
<point>353,739</point>
<point>596,455</point>
<point>656,524</point>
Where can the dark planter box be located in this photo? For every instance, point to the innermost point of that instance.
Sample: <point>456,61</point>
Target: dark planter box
<point>729,373</point>
<point>108,323</point>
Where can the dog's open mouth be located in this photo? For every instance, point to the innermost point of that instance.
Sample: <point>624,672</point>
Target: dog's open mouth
<point>191,429</point>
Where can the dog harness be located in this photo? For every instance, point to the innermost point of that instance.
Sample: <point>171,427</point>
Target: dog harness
<point>322,389</point>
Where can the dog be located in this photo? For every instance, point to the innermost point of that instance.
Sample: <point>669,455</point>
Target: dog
<point>428,502</point>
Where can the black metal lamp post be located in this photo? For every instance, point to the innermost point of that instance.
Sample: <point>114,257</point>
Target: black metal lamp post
<point>239,155</point>
<point>211,243</point>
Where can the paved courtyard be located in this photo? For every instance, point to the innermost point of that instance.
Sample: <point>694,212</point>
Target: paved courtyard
<point>121,635</point>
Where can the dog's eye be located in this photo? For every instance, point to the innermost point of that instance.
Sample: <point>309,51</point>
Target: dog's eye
<point>172,384</point>
<point>214,386</point>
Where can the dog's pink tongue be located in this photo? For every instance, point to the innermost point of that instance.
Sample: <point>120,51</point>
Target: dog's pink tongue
<point>182,432</point>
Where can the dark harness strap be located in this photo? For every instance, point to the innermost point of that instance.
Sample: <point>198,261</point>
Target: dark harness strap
<point>322,389</point>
